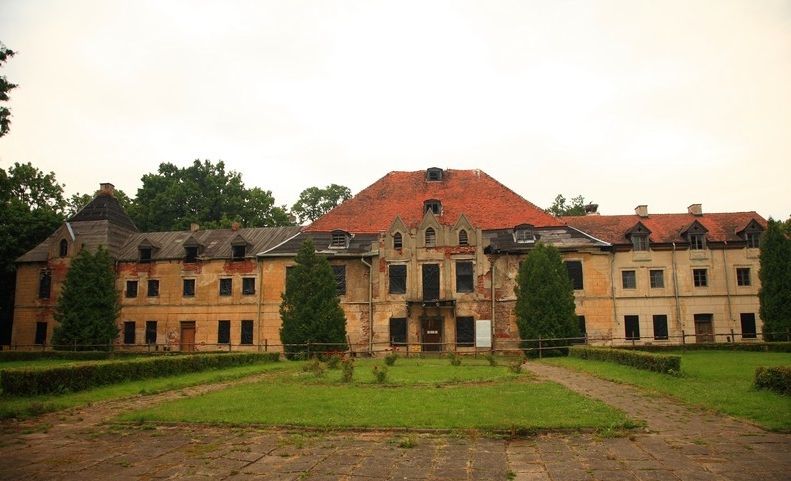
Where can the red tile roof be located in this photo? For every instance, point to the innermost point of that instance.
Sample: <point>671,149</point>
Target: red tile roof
<point>665,228</point>
<point>485,202</point>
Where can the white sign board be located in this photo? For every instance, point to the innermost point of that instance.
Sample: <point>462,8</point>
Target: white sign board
<point>483,333</point>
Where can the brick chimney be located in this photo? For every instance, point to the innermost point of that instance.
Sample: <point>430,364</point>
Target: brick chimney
<point>106,188</point>
<point>641,210</point>
<point>695,209</point>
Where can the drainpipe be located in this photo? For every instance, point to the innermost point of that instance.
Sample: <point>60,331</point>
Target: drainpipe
<point>370,306</point>
<point>494,260</point>
<point>675,289</point>
<point>727,283</point>
<point>612,292</point>
<point>260,297</point>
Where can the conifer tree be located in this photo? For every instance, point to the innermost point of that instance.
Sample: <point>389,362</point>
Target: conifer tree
<point>775,275</point>
<point>545,298</point>
<point>310,310</point>
<point>88,304</point>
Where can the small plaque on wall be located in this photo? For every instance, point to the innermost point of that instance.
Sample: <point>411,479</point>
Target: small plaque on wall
<point>483,333</point>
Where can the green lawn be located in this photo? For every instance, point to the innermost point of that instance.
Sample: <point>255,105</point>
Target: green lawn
<point>719,380</point>
<point>419,393</point>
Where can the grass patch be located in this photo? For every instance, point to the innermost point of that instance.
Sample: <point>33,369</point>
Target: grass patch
<point>718,380</point>
<point>418,394</point>
<point>17,406</point>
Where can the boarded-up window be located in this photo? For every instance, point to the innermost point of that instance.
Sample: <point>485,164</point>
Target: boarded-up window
<point>660,327</point>
<point>748,325</point>
<point>129,332</point>
<point>340,279</point>
<point>226,287</point>
<point>431,237</point>
<point>397,331</point>
<point>464,276</point>
<point>131,288</point>
<point>248,286</point>
<point>188,287</point>
<point>151,332</point>
<point>64,248</point>
<point>465,331</point>
<point>247,332</point>
<point>397,274</point>
<point>463,240</point>
<point>632,325</point>
<point>144,254</point>
<point>41,333</point>
<point>574,269</point>
<point>223,332</point>
<point>44,284</point>
<point>153,288</point>
<point>239,251</point>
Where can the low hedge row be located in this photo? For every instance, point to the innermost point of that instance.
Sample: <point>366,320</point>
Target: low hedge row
<point>776,378</point>
<point>30,382</point>
<point>9,356</point>
<point>649,361</point>
<point>715,346</point>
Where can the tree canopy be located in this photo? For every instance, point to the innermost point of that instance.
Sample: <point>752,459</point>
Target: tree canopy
<point>544,297</point>
<point>314,201</point>
<point>88,303</point>
<point>203,193</point>
<point>310,309</point>
<point>561,207</point>
<point>5,87</point>
<point>775,275</point>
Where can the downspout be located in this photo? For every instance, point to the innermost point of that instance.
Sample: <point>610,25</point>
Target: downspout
<point>370,306</point>
<point>727,283</point>
<point>491,334</point>
<point>612,292</point>
<point>260,298</point>
<point>679,323</point>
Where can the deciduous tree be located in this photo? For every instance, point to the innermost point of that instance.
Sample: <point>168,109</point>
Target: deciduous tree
<point>5,87</point>
<point>561,207</point>
<point>314,201</point>
<point>775,275</point>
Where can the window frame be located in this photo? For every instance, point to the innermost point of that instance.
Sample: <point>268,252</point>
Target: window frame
<point>131,293</point>
<point>223,331</point>
<point>152,292</point>
<point>45,284</point>
<point>748,317</point>
<point>465,281</point>
<point>742,279</point>
<point>464,239</point>
<point>633,275</point>
<point>151,332</point>
<point>469,330</point>
<point>635,321</point>
<point>430,241</point>
<point>652,278</point>
<point>391,277</point>
<point>185,292</point>
<point>752,239</point>
<point>40,335</point>
<point>339,273</point>
<point>238,249</point>
<point>700,277</point>
<point>246,287</point>
<point>190,254</point>
<point>433,205</point>
<point>63,248</point>
<point>144,255</point>
<point>640,242</point>
<point>659,320</point>
<point>392,339</point>
<point>339,240</point>
<point>246,332</point>
<point>130,335</point>
<point>575,280</point>
<point>697,241</point>
<point>398,241</point>
<point>225,287</point>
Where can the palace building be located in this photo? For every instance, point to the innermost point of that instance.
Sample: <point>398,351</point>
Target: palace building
<point>426,260</point>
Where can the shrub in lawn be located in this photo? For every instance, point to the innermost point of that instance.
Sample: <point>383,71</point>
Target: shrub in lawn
<point>777,378</point>
<point>380,374</point>
<point>664,363</point>
<point>391,358</point>
<point>333,362</point>
<point>515,366</point>
<point>492,360</point>
<point>314,366</point>
<point>348,370</point>
<point>455,359</point>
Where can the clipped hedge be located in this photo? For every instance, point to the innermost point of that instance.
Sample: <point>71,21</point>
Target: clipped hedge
<point>10,356</point>
<point>664,363</point>
<point>30,382</point>
<point>776,378</point>
<point>714,346</point>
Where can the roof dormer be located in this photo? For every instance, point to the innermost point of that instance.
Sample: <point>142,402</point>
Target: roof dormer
<point>639,236</point>
<point>239,247</point>
<point>340,239</point>
<point>432,205</point>
<point>524,234</point>
<point>434,174</point>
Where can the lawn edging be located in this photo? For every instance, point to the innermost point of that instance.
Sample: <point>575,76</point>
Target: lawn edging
<point>662,363</point>
<point>776,378</point>
<point>29,382</point>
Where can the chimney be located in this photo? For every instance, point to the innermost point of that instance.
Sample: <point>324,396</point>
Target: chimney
<point>194,227</point>
<point>695,209</point>
<point>235,226</point>
<point>641,210</point>
<point>592,209</point>
<point>106,188</point>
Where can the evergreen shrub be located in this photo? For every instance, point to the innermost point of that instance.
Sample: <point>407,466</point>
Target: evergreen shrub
<point>663,363</point>
<point>777,378</point>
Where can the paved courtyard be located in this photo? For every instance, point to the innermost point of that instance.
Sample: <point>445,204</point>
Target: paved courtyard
<point>678,443</point>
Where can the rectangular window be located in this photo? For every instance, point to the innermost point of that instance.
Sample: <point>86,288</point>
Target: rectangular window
<point>224,332</point>
<point>226,287</point>
<point>44,284</point>
<point>657,278</point>
<point>129,332</point>
<point>753,239</point>
<point>748,325</point>
<point>153,288</point>
<point>397,331</point>
<point>465,332</point>
<point>247,332</point>
<point>640,242</point>
<point>697,241</point>
<point>700,277</point>
<point>248,286</point>
<point>239,252</point>
<point>632,325</point>
<point>190,254</point>
<point>660,327</point>
<point>464,276</point>
<point>629,279</point>
<point>397,274</point>
<point>574,269</point>
<point>41,333</point>
<point>340,279</point>
<point>144,255</point>
<point>131,289</point>
<point>188,287</point>
<point>151,332</point>
<point>743,276</point>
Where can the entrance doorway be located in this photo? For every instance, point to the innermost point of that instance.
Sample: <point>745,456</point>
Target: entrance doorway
<point>431,334</point>
<point>704,329</point>
<point>187,336</point>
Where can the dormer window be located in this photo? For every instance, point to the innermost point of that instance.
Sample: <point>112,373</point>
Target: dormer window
<point>697,241</point>
<point>190,253</point>
<point>432,205</point>
<point>524,234</point>
<point>434,174</point>
<point>64,248</point>
<point>463,241</point>
<point>431,237</point>
<point>238,251</point>
<point>753,239</point>
<point>640,242</point>
<point>339,240</point>
<point>398,241</point>
<point>144,254</point>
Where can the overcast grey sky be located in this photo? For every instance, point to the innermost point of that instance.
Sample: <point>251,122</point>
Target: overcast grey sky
<point>626,102</point>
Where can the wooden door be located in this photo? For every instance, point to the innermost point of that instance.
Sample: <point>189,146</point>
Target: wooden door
<point>430,282</point>
<point>187,336</point>
<point>431,334</point>
<point>704,329</point>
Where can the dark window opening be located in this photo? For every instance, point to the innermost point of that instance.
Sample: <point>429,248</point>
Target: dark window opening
<point>64,248</point>
<point>41,333</point>
<point>574,269</point>
<point>524,236</point>
<point>153,288</point>
<point>188,287</point>
<point>339,240</point>
<point>463,240</point>
<point>629,279</point>
<point>397,274</point>
<point>430,282</point>
<point>247,332</point>
<point>397,331</point>
<point>743,276</point>
<point>226,287</point>
<point>632,325</point>
<point>465,331</point>
<point>660,327</point>
<point>129,332</point>
<point>340,279</point>
<point>248,286</point>
<point>657,278</point>
<point>191,254</point>
<point>748,325</point>
<point>464,276</point>
<point>697,241</point>
<point>753,239</point>
<point>582,328</point>
<point>431,237</point>
<point>640,242</point>
<point>144,254</point>
<point>44,284</point>
<point>700,277</point>
<point>434,206</point>
<point>151,332</point>
<point>131,288</point>
<point>398,241</point>
<point>224,332</point>
<point>239,251</point>
<point>434,174</point>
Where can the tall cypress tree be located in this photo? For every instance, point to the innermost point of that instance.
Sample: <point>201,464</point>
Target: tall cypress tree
<point>775,275</point>
<point>310,310</point>
<point>545,298</point>
<point>88,304</point>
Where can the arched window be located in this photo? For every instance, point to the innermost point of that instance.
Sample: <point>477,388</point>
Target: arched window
<point>398,241</point>
<point>64,248</point>
<point>463,241</point>
<point>431,237</point>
